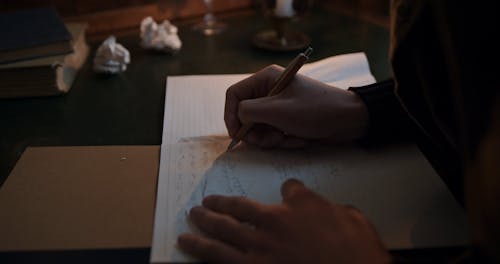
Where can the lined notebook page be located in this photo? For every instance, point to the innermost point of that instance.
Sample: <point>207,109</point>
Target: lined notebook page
<point>396,188</point>
<point>194,106</point>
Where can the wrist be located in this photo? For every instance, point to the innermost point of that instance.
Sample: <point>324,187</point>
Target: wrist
<point>348,117</point>
<point>358,116</point>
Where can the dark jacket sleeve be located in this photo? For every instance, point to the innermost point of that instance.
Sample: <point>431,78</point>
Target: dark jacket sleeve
<point>388,120</point>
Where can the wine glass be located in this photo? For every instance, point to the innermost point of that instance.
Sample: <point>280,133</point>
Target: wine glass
<point>209,25</point>
<point>281,37</point>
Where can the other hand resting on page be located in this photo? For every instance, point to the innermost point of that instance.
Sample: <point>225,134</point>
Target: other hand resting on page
<point>304,228</point>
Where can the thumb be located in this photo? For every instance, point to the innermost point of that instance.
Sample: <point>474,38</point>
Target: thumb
<point>264,110</point>
<point>292,188</point>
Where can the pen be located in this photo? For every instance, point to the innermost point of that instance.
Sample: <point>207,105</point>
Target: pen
<point>279,85</point>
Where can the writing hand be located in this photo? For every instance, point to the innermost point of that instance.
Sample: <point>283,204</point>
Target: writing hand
<point>307,109</point>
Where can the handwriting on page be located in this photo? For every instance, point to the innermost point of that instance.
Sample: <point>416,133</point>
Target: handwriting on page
<point>258,174</point>
<point>202,167</point>
<point>246,171</point>
<point>394,186</point>
<point>199,167</point>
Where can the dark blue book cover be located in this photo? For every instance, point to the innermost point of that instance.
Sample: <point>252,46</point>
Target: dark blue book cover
<point>31,28</point>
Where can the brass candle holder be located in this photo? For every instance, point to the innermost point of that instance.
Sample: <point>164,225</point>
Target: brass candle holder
<point>282,37</point>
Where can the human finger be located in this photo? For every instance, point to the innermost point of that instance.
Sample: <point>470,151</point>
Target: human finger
<point>268,137</point>
<point>291,142</point>
<point>361,222</point>
<point>255,86</point>
<point>258,216</point>
<point>209,250</point>
<point>360,218</point>
<point>265,110</point>
<point>241,208</point>
<point>222,227</point>
<point>352,209</point>
<point>276,111</point>
<point>231,120</point>
<point>264,136</point>
<point>292,190</point>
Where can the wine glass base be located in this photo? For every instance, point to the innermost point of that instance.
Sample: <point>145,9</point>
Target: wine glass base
<point>209,29</point>
<point>269,40</point>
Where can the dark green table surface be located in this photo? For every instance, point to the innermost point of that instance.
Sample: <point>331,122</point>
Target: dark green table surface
<point>127,109</point>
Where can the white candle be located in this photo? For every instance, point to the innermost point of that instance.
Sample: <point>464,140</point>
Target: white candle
<point>284,8</point>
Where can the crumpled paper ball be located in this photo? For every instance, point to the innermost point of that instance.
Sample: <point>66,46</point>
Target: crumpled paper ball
<point>111,57</point>
<point>161,37</point>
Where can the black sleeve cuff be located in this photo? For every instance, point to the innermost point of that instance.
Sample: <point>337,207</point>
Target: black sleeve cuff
<point>387,118</point>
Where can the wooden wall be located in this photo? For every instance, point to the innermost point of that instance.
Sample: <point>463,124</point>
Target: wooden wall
<point>106,16</point>
<point>375,11</point>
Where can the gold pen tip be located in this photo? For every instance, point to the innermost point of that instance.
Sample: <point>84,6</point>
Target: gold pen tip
<point>232,144</point>
<point>308,51</point>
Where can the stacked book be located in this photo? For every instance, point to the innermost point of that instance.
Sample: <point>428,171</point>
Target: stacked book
<point>40,55</point>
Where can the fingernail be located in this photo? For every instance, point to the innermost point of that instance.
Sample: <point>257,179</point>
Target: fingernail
<point>293,181</point>
<point>208,199</point>
<point>181,238</point>
<point>196,210</point>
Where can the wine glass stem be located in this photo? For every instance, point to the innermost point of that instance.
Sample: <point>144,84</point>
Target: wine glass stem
<point>282,28</point>
<point>209,17</point>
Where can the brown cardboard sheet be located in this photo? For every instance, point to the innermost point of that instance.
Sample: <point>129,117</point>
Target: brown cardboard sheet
<point>59,198</point>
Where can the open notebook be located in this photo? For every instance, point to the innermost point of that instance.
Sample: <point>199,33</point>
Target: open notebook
<point>395,187</point>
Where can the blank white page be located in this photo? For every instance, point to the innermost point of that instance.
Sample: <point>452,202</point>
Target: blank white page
<point>194,106</point>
